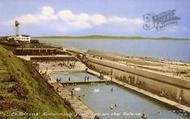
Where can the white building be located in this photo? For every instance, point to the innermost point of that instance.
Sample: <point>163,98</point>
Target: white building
<point>21,38</point>
<point>18,37</point>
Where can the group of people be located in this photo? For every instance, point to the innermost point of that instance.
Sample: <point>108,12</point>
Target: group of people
<point>113,106</point>
<point>163,93</point>
<point>69,64</point>
<point>72,94</point>
<point>86,78</point>
<point>79,97</point>
<point>58,79</point>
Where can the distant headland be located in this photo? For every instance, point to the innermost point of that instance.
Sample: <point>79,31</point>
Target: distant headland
<point>113,37</point>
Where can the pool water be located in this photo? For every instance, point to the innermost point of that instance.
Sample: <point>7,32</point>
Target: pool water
<point>112,101</point>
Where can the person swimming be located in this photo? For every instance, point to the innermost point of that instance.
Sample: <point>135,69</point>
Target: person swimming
<point>143,116</point>
<point>111,89</point>
<point>115,106</point>
<point>111,107</point>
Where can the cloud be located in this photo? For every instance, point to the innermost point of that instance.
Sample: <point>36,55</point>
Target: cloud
<point>47,13</point>
<point>126,21</point>
<point>66,20</point>
<point>82,20</point>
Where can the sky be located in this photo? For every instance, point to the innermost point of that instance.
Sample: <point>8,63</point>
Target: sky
<point>89,17</point>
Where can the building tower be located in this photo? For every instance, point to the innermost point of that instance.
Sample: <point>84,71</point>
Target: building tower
<point>17,27</point>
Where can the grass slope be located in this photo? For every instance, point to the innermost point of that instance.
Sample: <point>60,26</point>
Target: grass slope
<point>22,89</point>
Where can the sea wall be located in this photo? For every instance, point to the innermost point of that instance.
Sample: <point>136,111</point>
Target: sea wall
<point>172,88</point>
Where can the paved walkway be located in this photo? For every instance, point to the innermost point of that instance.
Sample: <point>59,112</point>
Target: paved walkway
<point>85,82</point>
<point>50,67</point>
<point>78,106</point>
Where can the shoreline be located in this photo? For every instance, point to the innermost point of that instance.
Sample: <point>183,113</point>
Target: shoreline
<point>119,54</point>
<point>113,37</point>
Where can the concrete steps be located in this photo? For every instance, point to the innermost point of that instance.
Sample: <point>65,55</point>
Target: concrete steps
<point>78,106</point>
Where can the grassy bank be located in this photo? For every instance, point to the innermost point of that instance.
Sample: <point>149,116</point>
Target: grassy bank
<point>113,37</point>
<point>24,93</point>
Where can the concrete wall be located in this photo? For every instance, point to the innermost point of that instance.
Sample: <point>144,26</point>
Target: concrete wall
<point>53,58</point>
<point>39,51</point>
<point>169,87</point>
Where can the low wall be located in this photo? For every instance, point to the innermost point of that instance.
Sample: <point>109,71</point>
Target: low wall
<point>53,58</point>
<point>172,88</point>
<point>39,51</point>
